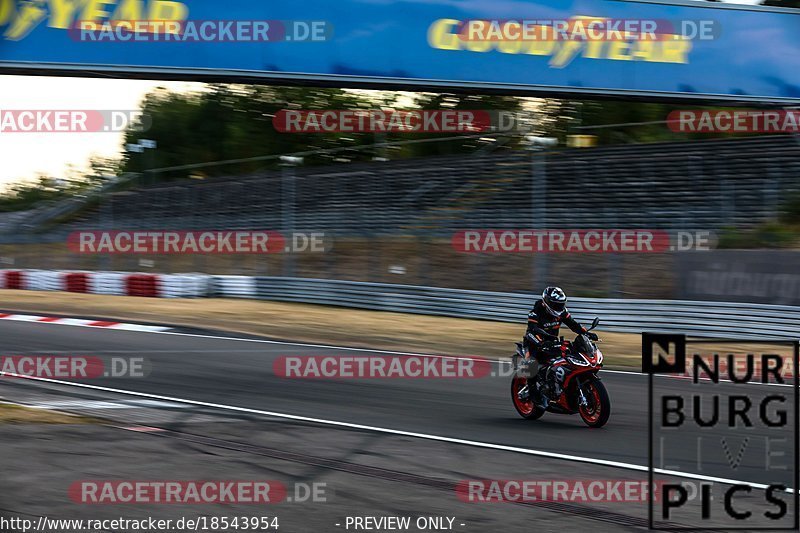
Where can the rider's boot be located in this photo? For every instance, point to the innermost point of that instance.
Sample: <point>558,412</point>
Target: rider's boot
<point>538,394</point>
<point>548,386</point>
<point>524,393</point>
<point>543,400</point>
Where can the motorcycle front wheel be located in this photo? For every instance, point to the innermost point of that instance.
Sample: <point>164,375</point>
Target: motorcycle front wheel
<point>526,409</point>
<point>595,414</point>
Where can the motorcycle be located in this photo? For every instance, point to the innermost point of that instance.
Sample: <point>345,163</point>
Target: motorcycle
<point>573,388</point>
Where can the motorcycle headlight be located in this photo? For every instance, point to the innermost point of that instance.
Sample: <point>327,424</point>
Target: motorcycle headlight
<point>577,361</point>
<point>599,357</point>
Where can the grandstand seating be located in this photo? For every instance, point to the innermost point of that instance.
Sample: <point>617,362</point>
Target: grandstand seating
<point>699,184</point>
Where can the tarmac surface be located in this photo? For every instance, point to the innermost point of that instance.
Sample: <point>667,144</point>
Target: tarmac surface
<point>212,407</point>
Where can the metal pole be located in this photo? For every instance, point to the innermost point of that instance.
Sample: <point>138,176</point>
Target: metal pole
<point>150,164</point>
<point>288,188</point>
<point>107,224</point>
<point>539,212</point>
<point>772,193</point>
<point>615,263</point>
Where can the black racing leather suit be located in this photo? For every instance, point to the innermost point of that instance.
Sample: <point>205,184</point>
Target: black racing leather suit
<point>542,330</point>
<point>544,327</point>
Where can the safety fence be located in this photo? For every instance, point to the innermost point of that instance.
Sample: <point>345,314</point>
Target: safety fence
<point>706,319</point>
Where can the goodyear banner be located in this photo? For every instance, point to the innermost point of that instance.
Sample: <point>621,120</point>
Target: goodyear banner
<point>566,46</point>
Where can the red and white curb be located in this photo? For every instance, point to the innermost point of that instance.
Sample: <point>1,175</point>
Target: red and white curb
<point>109,283</point>
<point>82,322</point>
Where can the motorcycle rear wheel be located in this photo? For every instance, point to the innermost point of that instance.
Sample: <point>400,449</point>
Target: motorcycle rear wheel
<point>526,409</point>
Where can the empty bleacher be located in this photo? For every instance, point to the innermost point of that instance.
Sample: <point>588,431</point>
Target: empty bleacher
<point>698,184</point>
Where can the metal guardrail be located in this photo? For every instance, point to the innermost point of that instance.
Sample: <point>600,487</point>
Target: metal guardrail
<point>704,319</point>
<point>701,319</point>
<point>233,286</point>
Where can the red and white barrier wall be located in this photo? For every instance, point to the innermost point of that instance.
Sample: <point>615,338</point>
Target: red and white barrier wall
<point>114,283</point>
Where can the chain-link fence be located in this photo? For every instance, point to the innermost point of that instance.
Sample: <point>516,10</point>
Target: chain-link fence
<point>403,221</point>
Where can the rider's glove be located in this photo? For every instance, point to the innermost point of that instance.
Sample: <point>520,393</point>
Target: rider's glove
<point>592,335</point>
<point>552,348</point>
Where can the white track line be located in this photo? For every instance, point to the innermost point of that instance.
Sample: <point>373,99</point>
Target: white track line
<point>452,440</point>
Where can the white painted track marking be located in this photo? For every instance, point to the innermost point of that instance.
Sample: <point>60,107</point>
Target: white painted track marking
<point>439,438</point>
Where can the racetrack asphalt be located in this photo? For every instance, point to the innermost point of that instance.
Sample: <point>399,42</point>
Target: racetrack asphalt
<point>239,373</point>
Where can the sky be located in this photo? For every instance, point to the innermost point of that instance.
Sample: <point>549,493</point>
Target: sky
<point>25,155</point>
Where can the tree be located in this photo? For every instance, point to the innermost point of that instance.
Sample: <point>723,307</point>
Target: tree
<point>462,102</point>
<point>233,122</point>
<point>236,122</point>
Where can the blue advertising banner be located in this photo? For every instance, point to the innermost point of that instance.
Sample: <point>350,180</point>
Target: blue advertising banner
<point>558,46</point>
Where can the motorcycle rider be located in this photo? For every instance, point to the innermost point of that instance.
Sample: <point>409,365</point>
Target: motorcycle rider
<point>541,339</point>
